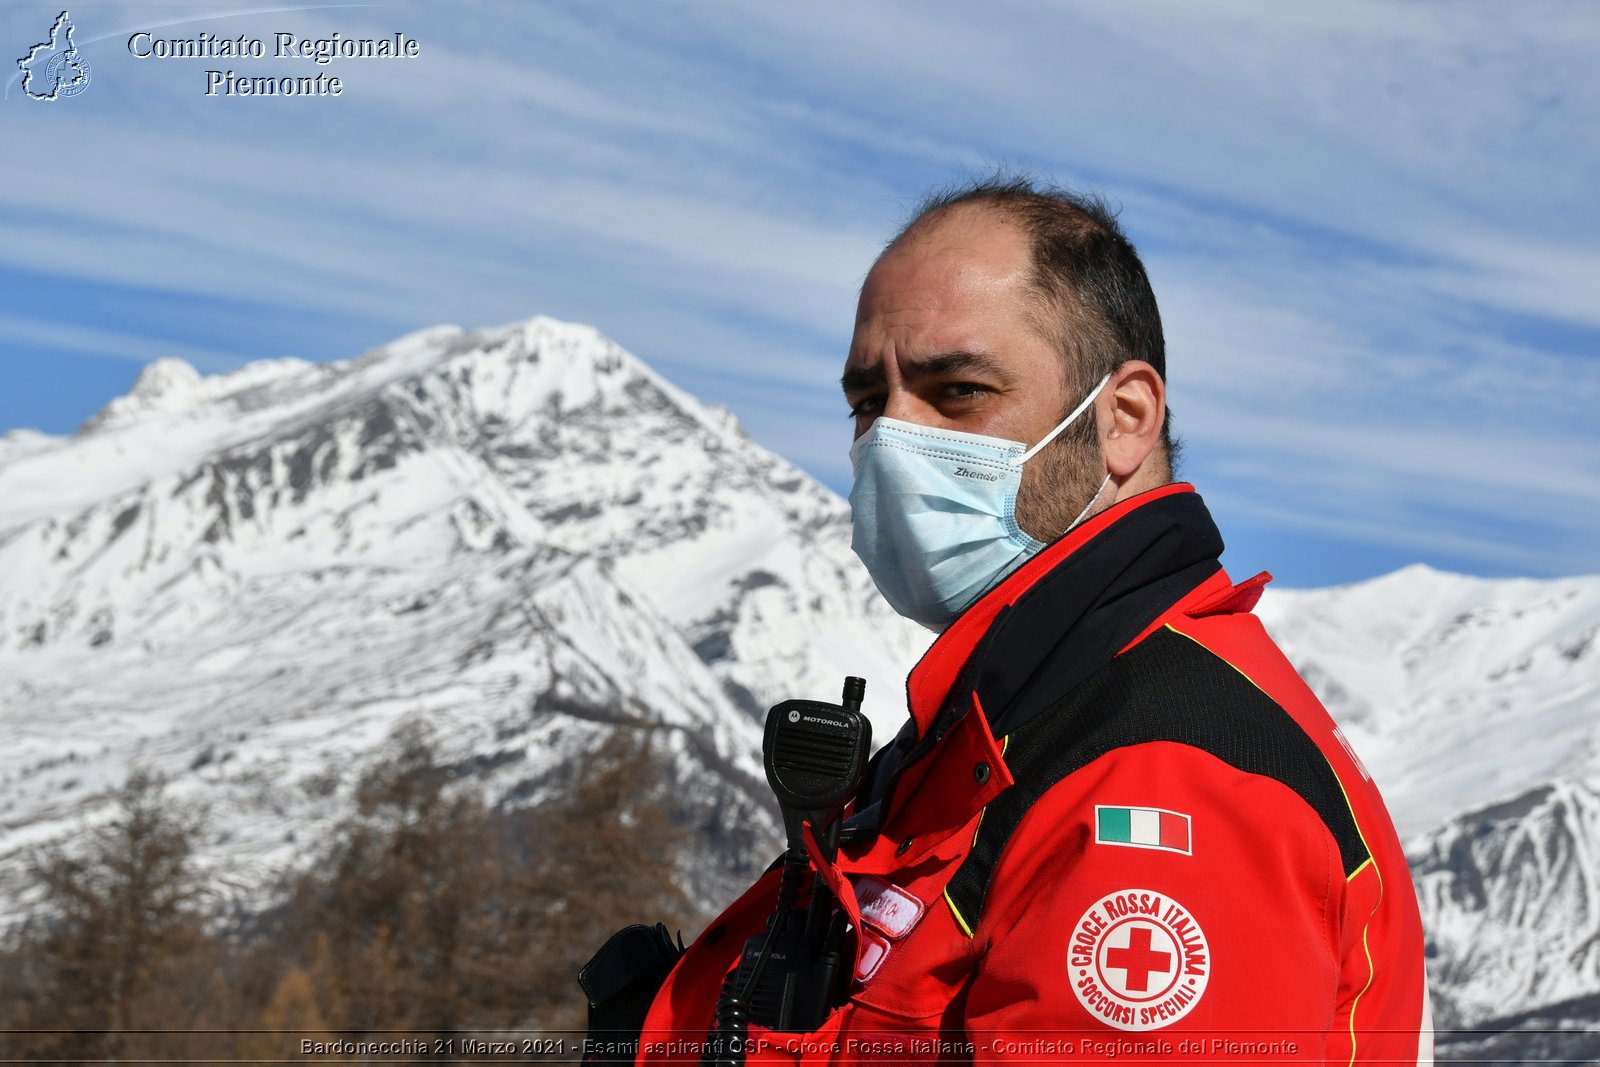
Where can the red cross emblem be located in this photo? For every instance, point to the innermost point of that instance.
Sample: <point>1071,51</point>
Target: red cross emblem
<point>1138,959</point>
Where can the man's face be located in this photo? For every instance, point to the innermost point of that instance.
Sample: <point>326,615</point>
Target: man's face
<point>946,336</point>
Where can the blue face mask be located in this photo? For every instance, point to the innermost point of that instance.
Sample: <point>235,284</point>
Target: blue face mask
<point>935,513</point>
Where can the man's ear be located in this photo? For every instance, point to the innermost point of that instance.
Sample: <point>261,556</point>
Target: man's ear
<point>1129,413</point>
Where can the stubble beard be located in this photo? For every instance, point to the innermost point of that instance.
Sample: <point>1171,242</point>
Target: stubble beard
<point>1061,480</point>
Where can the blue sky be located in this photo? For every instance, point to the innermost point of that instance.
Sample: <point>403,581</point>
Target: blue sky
<point>1372,227</point>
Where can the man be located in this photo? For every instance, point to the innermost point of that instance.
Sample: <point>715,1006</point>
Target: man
<point>1117,825</point>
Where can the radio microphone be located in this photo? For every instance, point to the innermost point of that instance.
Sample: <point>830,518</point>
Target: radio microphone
<point>815,756</point>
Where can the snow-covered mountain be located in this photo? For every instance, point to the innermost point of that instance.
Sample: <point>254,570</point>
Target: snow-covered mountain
<point>1476,703</point>
<point>1459,691</point>
<point>524,534</point>
<point>527,536</point>
<point>1511,896</point>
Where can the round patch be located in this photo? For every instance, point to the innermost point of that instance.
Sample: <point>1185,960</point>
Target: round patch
<point>1138,960</point>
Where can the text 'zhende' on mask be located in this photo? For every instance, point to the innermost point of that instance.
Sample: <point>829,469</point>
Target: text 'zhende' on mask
<point>934,512</point>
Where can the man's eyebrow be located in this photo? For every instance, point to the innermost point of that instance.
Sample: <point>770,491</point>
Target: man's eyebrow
<point>856,379</point>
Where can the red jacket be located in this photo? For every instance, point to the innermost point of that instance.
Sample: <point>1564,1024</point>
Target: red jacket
<point>1118,826</point>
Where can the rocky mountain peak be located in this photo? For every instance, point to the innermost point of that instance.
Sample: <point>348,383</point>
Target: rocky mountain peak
<point>168,384</point>
<point>524,531</point>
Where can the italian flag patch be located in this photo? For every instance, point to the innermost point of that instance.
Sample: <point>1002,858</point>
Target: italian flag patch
<point>1142,828</point>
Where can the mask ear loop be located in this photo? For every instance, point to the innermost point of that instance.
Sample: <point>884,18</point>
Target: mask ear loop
<point>1090,504</point>
<point>1062,425</point>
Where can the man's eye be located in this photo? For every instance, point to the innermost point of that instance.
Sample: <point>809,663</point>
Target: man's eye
<point>866,406</point>
<point>964,390</point>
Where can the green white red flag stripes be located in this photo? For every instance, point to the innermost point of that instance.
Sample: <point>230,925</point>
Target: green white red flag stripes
<point>1142,828</point>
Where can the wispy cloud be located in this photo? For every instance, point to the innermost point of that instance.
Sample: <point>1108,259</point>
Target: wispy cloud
<point>54,334</point>
<point>1371,226</point>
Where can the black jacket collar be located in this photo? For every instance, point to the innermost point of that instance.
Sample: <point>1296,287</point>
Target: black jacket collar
<point>1060,617</point>
<point>1086,608</point>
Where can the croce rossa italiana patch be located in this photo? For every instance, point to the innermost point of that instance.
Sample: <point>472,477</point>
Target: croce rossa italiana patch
<point>1138,960</point>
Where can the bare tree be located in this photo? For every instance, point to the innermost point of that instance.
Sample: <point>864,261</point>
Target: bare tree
<point>608,856</point>
<point>111,948</point>
<point>426,910</point>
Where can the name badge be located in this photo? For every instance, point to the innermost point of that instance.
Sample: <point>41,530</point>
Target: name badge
<point>887,908</point>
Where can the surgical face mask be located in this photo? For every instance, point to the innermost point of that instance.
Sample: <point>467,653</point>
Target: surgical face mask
<point>935,513</point>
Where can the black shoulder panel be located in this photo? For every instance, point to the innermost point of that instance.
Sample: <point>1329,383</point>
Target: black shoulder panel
<point>1166,688</point>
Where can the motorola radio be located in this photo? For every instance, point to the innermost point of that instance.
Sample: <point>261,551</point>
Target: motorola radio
<point>792,975</point>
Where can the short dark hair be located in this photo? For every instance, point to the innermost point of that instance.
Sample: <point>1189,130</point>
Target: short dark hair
<point>1102,311</point>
